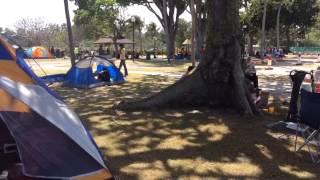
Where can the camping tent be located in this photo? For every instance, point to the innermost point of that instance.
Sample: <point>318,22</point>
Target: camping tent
<point>38,132</point>
<point>38,52</point>
<point>86,73</point>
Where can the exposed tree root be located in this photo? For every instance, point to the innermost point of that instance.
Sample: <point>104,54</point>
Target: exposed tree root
<point>188,90</point>
<point>193,91</point>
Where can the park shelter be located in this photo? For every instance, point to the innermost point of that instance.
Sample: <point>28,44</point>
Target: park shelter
<point>38,52</point>
<point>84,74</point>
<point>108,46</point>
<point>186,42</point>
<point>109,41</point>
<point>38,131</point>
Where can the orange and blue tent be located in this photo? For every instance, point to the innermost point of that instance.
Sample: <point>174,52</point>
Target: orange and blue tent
<point>38,132</point>
<point>38,52</point>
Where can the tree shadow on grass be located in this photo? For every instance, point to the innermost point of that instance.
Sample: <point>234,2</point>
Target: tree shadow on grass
<point>184,143</point>
<point>174,63</point>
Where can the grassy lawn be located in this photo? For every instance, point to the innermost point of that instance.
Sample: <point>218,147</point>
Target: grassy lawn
<point>182,143</point>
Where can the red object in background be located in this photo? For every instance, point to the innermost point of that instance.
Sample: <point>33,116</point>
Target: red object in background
<point>269,57</point>
<point>317,87</point>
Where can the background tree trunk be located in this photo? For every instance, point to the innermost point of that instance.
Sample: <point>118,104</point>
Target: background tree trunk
<point>200,24</point>
<point>71,46</point>
<point>170,41</point>
<point>278,26</point>
<point>263,32</point>
<point>250,45</point>
<point>288,37</point>
<point>194,34</point>
<point>219,79</point>
<point>140,39</point>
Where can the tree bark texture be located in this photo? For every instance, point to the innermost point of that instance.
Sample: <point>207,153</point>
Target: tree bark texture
<point>219,80</point>
<point>278,26</point>
<point>194,34</point>
<point>250,45</point>
<point>200,24</point>
<point>71,46</point>
<point>263,30</point>
<point>288,37</point>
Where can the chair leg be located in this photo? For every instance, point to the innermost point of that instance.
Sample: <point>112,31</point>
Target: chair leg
<point>312,135</point>
<point>295,141</point>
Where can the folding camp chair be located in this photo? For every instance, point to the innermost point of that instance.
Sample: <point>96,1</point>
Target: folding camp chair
<point>303,121</point>
<point>310,117</point>
<point>297,78</point>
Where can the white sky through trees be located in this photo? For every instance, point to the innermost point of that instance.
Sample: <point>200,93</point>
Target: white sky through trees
<point>52,11</point>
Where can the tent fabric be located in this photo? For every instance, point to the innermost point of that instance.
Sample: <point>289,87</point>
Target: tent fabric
<point>82,74</point>
<point>38,52</point>
<point>51,140</point>
<point>82,78</point>
<point>58,158</point>
<point>4,54</point>
<point>6,51</point>
<point>54,110</point>
<point>23,65</point>
<point>309,109</point>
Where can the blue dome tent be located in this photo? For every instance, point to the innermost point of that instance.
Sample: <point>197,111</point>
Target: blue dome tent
<point>90,72</point>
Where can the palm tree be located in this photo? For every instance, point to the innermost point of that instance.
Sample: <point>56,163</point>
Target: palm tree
<point>139,24</point>
<point>71,46</point>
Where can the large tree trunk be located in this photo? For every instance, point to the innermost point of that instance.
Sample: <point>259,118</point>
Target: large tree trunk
<point>71,46</point>
<point>170,42</point>
<point>219,79</point>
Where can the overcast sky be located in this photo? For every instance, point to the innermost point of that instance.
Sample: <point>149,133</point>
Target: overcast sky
<point>52,11</point>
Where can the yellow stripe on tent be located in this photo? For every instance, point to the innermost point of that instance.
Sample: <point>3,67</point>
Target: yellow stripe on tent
<point>11,70</point>
<point>9,103</point>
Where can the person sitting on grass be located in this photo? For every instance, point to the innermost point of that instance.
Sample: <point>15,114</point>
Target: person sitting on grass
<point>250,73</point>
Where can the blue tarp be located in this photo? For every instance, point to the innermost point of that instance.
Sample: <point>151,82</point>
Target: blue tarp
<point>81,78</point>
<point>4,55</point>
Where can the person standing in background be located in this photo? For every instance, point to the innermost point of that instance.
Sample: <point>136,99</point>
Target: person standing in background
<point>123,60</point>
<point>76,52</point>
<point>52,51</point>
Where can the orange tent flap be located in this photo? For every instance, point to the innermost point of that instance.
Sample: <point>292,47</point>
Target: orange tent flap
<point>9,103</point>
<point>11,70</point>
<point>99,175</point>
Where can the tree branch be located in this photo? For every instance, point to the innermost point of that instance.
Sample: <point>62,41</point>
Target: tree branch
<point>147,4</point>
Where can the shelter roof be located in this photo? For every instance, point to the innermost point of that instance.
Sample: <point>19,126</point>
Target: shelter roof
<point>109,40</point>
